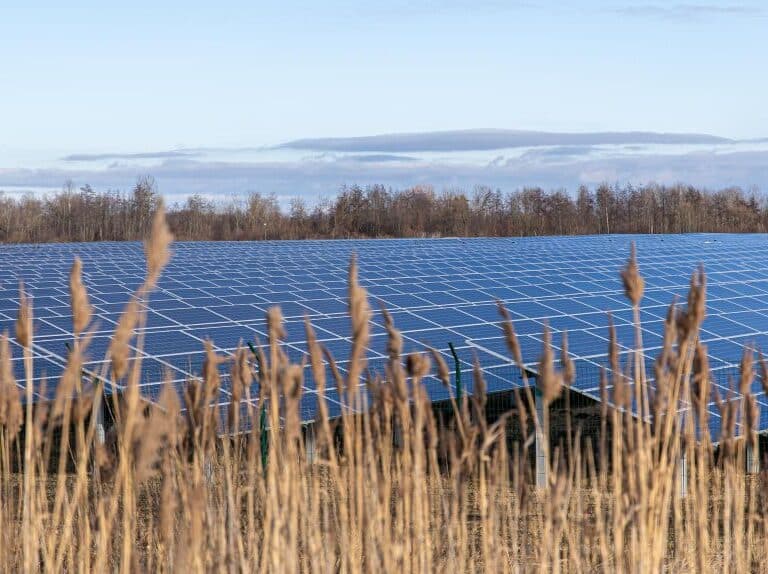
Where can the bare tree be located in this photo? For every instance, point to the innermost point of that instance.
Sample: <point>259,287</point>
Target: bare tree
<point>376,211</point>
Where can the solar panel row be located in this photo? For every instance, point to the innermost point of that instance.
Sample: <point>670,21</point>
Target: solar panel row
<point>437,290</point>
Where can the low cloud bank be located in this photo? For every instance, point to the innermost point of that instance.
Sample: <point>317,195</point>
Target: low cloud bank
<point>504,159</point>
<point>466,140</point>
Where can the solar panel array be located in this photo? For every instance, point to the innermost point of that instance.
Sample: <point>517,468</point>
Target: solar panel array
<point>438,291</point>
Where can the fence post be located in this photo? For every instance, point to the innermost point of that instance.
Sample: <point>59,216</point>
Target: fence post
<point>753,456</point>
<point>682,473</point>
<point>310,443</point>
<point>542,478</point>
<point>101,434</point>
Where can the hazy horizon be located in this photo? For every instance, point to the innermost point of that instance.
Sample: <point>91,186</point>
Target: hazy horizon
<point>314,168</point>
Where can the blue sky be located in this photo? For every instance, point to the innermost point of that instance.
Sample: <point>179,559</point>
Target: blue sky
<point>82,77</point>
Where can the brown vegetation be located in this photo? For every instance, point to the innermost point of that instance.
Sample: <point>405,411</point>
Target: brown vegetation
<point>391,490</point>
<point>375,211</point>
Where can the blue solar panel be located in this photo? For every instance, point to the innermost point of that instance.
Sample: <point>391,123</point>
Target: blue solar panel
<point>227,337</point>
<point>434,338</point>
<point>238,312</point>
<point>325,306</point>
<point>155,320</point>
<point>438,291</point>
<point>170,342</point>
<point>447,317</point>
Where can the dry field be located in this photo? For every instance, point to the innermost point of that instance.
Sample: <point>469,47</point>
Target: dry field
<point>164,492</point>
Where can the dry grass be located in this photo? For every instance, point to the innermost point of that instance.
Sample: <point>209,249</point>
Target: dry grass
<point>392,490</point>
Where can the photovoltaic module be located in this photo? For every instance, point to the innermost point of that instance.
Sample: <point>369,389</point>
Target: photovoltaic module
<point>438,291</point>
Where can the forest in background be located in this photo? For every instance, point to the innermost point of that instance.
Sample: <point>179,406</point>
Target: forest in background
<point>377,211</point>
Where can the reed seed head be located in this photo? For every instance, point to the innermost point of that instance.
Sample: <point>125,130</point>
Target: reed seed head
<point>24,319</point>
<point>442,368</point>
<point>509,334</point>
<point>359,309</point>
<point>550,381</point>
<point>697,298</point>
<point>634,284</point>
<point>156,248</point>
<point>700,379</point>
<point>119,349</point>
<point>746,371</point>
<point>417,365</point>
<point>210,374</point>
<point>568,368</point>
<point>81,308</point>
<point>394,338</point>
<point>275,326</point>
<point>479,396</point>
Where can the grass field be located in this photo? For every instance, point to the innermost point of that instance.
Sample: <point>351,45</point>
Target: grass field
<point>396,489</point>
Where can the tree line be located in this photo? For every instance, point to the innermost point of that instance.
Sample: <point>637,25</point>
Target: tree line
<point>377,211</point>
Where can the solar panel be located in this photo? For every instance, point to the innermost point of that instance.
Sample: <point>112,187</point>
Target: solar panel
<point>437,290</point>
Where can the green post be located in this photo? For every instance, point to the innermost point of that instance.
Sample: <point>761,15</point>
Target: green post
<point>263,436</point>
<point>262,417</point>
<point>459,388</point>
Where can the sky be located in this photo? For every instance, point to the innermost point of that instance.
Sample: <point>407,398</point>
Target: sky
<point>131,78</point>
